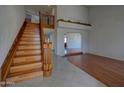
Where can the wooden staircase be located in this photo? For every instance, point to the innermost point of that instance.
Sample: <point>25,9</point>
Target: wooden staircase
<point>30,55</point>
<point>27,62</point>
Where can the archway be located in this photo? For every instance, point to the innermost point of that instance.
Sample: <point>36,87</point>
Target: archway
<point>72,43</point>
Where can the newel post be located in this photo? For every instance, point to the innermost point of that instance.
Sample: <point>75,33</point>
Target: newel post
<point>47,64</point>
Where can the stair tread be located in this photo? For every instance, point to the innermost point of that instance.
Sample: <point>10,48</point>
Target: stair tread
<point>26,62</point>
<point>30,36</point>
<point>21,47</point>
<point>27,58</point>
<point>29,43</point>
<point>30,39</point>
<point>25,76</point>
<point>30,33</point>
<point>27,52</point>
<point>31,30</point>
<point>26,67</point>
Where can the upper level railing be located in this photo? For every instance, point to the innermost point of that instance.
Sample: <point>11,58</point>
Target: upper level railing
<point>74,22</point>
<point>48,21</point>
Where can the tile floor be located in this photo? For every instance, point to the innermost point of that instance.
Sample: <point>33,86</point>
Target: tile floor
<point>64,74</point>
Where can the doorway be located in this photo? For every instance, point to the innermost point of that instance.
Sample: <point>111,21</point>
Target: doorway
<point>28,18</point>
<point>72,43</point>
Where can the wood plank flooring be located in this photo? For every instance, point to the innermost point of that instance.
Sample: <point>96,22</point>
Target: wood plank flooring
<point>106,70</point>
<point>27,62</point>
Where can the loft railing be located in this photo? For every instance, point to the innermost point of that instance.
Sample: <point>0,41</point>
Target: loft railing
<point>48,21</point>
<point>46,46</point>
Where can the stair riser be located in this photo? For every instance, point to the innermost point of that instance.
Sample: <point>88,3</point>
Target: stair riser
<point>30,39</point>
<point>30,36</point>
<point>24,59</point>
<point>25,67</point>
<point>25,77</point>
<point>24,72</point>
<point>25,63</point>
<point>31,33</point>
<point>28,43</point>
<point>25,53</point>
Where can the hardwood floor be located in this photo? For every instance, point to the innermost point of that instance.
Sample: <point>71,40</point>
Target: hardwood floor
<point>106,70</point>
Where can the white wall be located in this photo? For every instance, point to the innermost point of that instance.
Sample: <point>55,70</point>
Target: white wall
<point>72,12</point>
<point>107,37</point>
<point>11,19</point>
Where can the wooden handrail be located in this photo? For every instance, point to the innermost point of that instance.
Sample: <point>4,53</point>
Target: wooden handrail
<point>9,59</point>
<point>46,49</point>
<point>41,36</point>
